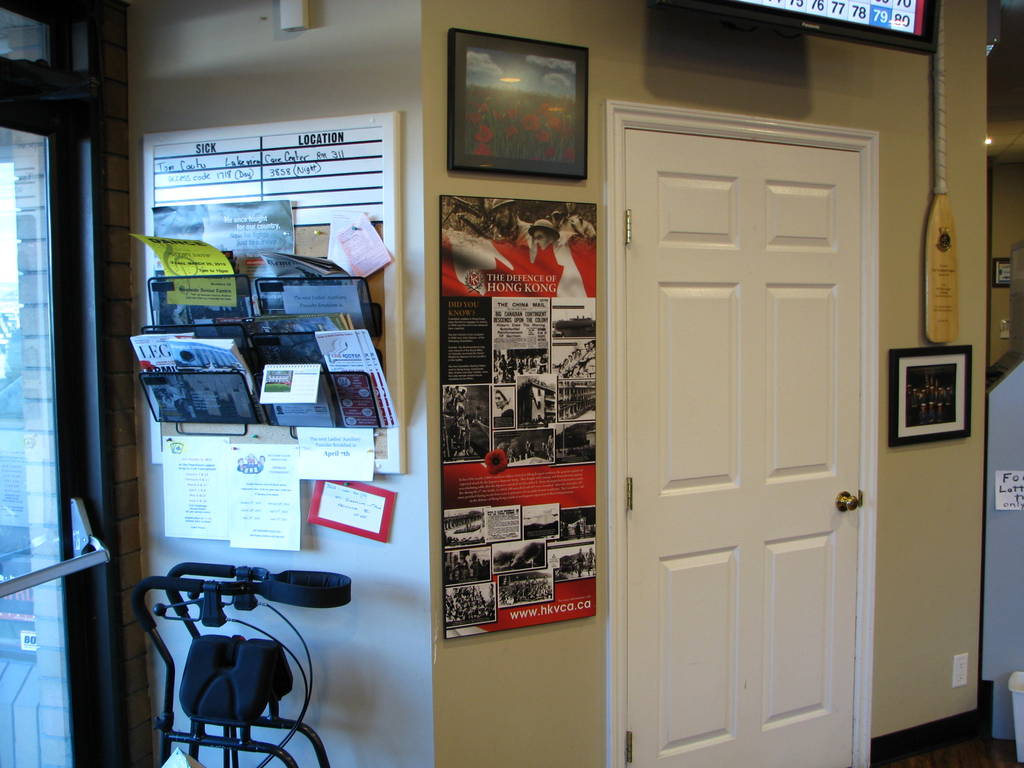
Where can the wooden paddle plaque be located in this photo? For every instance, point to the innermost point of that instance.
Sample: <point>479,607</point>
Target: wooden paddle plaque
<point>942,293</point>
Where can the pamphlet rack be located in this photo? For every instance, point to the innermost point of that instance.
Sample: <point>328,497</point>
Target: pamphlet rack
<point>279,335</point>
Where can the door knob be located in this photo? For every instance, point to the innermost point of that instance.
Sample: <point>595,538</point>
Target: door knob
<point>847,502</point>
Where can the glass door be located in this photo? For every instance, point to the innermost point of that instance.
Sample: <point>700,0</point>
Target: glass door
<point>50,619</point>
<point>35,532</point>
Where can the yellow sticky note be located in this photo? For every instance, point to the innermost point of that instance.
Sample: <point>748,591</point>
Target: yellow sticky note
<point>187,258</point>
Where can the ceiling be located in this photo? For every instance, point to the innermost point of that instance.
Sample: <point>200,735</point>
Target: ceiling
<point>1006,84</point>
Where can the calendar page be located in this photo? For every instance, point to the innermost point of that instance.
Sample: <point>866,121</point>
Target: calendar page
<point>894,15</point>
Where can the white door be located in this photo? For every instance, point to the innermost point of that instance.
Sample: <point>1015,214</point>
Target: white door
<point>743,349</point>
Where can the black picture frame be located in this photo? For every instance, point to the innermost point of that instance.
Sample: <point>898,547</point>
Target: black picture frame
<point>1000,273</point>
<point>929,394</point>
<point>525,111</point>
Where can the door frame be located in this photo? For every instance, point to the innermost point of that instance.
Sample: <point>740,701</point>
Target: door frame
<point>622,116</point>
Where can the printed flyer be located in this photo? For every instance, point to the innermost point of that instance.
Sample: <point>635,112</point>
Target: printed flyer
<point>518,410</point>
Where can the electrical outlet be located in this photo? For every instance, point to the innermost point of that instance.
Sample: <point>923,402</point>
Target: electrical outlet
<point>960,670</point>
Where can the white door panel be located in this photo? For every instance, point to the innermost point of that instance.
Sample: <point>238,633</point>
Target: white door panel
<point>743,423</point>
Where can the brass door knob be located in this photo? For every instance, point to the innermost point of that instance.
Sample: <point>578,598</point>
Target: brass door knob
<point>847,502</point>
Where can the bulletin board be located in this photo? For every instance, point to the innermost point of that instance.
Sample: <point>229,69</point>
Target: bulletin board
<point>321,165</point>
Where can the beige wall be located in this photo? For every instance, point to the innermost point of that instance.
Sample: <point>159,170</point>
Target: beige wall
<point>1007,228</point>
<point>198,64</point>
<point>548,684</point>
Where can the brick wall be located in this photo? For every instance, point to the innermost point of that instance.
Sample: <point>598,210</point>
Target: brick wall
<point>119,379</point>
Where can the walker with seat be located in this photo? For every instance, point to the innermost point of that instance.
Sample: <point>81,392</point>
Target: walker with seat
<point>233,682</point>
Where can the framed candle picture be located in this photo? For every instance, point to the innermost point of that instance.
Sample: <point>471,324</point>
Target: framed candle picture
<point>358,508</point>
<point>929,394</point>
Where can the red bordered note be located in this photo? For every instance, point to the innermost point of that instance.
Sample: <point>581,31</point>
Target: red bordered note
<point>358,508</point>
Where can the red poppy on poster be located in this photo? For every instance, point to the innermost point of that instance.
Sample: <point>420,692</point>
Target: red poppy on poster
<point>518,412</point>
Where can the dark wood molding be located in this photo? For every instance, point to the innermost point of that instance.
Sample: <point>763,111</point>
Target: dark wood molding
<point>925,737</point>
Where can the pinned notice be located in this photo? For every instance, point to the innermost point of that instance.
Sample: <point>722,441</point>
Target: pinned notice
<point>355,245</point>
<point>364,510</point>
<point>187,258</point>
<point>1009,487</point>
<point>335,454</point>
<point>196,475</point>
<point>194,259</point>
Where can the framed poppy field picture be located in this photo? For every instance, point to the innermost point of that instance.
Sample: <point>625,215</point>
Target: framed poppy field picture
<point>516,105</point>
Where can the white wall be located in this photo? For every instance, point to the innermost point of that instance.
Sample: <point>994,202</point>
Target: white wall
<point>197,64</point>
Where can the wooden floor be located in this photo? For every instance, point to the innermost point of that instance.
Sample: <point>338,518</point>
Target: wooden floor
<point>978,753</point>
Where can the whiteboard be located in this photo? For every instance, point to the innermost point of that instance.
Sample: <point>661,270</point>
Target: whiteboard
<point>322,165</point>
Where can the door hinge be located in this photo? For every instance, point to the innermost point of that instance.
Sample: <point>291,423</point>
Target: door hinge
<point>629,226</point>
<point>629,746</point>
<point>629,494</point>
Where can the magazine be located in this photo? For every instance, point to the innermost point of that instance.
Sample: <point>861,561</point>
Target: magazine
<point>203,355</point>
<point>153,351</point>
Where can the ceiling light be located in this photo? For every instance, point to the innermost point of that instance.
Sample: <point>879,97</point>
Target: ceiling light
<point>988,139</point>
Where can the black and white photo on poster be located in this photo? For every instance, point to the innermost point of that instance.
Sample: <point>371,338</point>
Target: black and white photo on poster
<point>463,527</point>
<point>535,400</point>
<point>470,604</point>
<point>464,566</point>
<point>509,363</point>
<point>503,523</point>
<point>540,521</point>
<point>520,323</point>
<point>518,556</point>
<point>575,319</point>
<point>520,338</point>
<point>577,523</point>
<point>466,413</point>
<point>526,588</point>
<point>527,446</point>
<point>576,359</point>
<point>503,415</point>
<point>577,399</point>
<point>576,443</point>
<point>573,561</point>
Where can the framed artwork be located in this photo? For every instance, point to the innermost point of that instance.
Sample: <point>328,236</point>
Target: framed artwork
<point>516,105</point>
<point>929,394</point>
<point>1000,273</point>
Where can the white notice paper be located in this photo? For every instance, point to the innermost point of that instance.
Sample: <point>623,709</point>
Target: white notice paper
<point>265,497</point>
<point>351,507</point>
<point>196,482</point>
<point>355,245</point>
<point>335,454</point>
<point>1009,485</point>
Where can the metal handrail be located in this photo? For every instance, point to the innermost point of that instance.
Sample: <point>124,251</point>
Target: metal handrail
<point>99,555</point>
